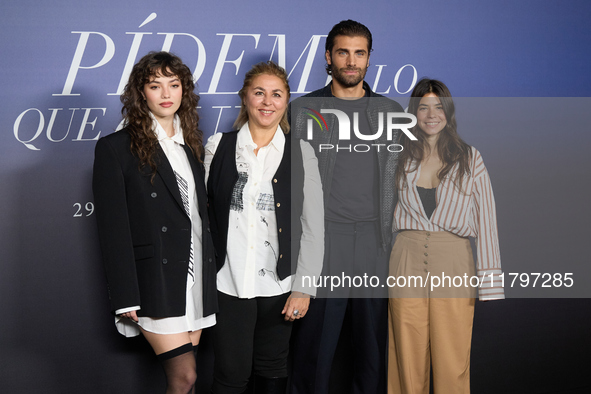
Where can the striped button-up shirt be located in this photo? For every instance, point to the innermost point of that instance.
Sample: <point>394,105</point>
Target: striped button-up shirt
<point>467,213</point>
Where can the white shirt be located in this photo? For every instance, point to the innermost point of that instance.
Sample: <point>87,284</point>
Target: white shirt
<point>193,319</point>
<point>250,267</point>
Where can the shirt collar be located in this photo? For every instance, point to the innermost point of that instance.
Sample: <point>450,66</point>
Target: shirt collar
<point>245,139</point>
<point>161,134</point>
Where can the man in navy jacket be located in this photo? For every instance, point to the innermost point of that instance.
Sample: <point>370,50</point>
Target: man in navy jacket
<point>359,197</point>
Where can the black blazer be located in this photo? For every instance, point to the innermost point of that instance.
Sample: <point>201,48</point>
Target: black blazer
<point>144,232</point>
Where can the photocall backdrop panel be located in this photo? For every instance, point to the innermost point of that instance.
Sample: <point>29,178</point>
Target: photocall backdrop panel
<point>519,71</point>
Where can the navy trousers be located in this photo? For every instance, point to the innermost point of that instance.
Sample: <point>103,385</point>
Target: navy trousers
<point>352,250</point>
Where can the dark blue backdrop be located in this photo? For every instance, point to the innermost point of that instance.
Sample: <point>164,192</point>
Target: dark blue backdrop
<point>523,67</point>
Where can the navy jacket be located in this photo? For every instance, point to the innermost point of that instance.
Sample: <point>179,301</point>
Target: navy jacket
<point>387,161</point>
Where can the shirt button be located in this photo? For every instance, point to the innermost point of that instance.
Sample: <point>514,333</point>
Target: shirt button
<point>164,261</point>
<point>426,245</point>
<point>278,205</point>
<point>426,254</point>
<point>210,259</point>
<point>154,195</point>
<point>279,230</point>
<point>208,230</point>
<point>280,256</point>
<point>274,180</point>
<point>164,229</point>
<point>426,262</point>
<point>428,233</point>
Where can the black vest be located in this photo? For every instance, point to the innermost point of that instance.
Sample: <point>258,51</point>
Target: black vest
<point>288,184</point>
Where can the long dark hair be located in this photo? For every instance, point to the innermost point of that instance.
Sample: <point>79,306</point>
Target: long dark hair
<point>451,149</point>
<point>136,113</point>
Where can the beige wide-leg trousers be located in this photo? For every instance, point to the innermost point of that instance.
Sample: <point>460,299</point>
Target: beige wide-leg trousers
<point>430,325</point>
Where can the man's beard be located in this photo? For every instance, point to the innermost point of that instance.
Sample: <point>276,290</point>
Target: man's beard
<point>347,81</point>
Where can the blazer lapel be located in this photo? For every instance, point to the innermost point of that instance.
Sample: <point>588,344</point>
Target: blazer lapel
<point>198,176</point>
<point>164,169</point>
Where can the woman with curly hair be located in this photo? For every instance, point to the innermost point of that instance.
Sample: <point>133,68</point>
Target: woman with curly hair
<point>444,197</point>
<point>151,208</point>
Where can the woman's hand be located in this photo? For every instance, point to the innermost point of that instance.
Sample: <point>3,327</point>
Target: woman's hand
<point>132,315</point>
<point>296,306</point>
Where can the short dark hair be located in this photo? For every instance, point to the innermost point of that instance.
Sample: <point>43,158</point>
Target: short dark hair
<point>348,28</point>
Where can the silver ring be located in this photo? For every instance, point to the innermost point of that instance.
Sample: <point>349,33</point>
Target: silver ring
<point>296,312</point>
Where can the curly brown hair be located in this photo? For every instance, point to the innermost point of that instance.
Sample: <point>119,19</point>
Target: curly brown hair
<point>136,113</point>
<point>450,147</point>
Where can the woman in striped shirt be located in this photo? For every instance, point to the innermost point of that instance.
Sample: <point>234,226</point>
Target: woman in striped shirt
<point>445,196</point>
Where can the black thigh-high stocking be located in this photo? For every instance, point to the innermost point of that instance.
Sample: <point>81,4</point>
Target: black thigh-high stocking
<point>180,369</point>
